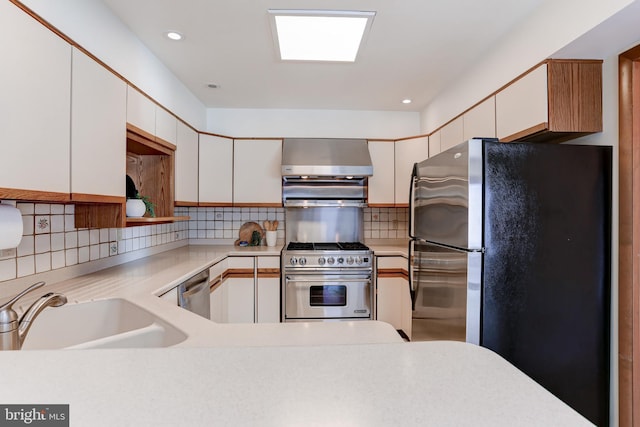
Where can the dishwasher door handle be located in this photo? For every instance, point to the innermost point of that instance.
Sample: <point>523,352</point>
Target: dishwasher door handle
<point>196,288</point>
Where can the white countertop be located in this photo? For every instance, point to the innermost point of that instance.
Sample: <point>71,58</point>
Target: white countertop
<point>342,373</point>
<point>417,384</point>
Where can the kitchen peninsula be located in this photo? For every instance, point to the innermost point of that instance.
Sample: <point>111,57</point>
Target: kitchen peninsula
<point>345,373</point>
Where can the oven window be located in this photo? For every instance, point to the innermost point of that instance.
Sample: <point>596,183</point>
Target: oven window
<point>328,295</point>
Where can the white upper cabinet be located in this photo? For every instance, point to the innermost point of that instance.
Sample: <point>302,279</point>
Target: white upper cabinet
<point>382,183</point>
<point>257,176</point>
<point>452,134</point>
<point>166,125</point>
<point>141,111</point>
<point>407,153</point>
<point>98,129</point>
<point>523,104</point>
<point>480,121</point>
<point>35,87</point>
<point>186,164</point>
<point>215,170</point>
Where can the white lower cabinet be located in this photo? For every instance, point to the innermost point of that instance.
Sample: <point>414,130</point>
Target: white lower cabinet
<point>392,292</point>
<point>245,290</point>
<point>268,289</point>
<point>171,296</point>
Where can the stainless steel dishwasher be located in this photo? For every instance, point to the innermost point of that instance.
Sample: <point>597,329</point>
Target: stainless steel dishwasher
<point>193,294</point>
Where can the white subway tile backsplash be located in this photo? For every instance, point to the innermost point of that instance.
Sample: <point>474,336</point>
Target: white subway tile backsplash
<point>8,269</point>
<point>43,243</point>
<point>57,209</point>
<point>42,224</point>
<point>51,241</point>
<point>26,266</point>
<point>26,247</point>
<point>43,262</point>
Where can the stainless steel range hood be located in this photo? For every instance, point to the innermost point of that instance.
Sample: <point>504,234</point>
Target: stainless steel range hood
<point>315,157</point>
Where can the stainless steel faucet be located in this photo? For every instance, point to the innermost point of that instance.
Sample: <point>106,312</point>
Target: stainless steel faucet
<point>13,331</point>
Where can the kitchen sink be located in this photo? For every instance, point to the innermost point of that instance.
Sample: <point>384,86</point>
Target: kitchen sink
<point>109,323</point>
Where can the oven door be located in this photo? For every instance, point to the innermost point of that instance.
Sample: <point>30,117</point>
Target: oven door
<point>327,297</point>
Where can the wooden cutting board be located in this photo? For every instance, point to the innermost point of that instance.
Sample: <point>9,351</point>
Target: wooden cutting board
<point>246,232</point>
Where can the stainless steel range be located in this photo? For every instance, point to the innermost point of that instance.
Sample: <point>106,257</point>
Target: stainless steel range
<point>326,271</point>
<point>327,281</point>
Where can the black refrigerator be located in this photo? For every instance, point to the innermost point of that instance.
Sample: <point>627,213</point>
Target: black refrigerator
<point>511,249</point>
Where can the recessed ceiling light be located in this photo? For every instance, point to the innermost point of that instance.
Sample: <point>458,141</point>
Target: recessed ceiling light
<point>174,35</point>
<point>319,35</point>
<point>406,101</point>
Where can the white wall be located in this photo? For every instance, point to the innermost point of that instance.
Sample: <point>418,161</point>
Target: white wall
<point>553,26</point>
<point>313,123</point>
<point>94,27</point>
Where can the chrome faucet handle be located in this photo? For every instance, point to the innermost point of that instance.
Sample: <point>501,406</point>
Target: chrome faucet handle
<point>7,314</point>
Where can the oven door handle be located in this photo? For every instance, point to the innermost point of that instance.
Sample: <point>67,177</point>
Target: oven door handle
<point>302,279</point>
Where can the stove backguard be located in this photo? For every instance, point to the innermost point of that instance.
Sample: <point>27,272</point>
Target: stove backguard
<point>324,224</point>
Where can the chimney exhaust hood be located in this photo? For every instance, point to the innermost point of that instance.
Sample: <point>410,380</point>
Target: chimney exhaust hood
<point>316,157</point>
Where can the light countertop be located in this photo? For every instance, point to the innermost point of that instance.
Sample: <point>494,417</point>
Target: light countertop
<point>418,384</point>
<point>291,374</point>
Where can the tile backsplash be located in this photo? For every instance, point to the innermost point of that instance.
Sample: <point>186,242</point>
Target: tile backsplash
<point>50,240</point>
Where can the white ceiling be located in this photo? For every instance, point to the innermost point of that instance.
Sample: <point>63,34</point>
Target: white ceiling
<point>415,48</point>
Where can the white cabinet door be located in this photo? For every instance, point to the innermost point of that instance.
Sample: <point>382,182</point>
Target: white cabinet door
<point>268,288</point>
<point>166,125</point>
<point>98,129</point>
<point>186,164</point>
<point>480,121</point>
<point>141,111</point>
<point>407,153</point>
<point>452,134</point>
<point>35,106</point>
<point>215,170</point>
<point>434,144</point>
<point>257,177</point>
<point>393,296</point>
<point>218,295</point>
<point>382,183</point>
<point>389,303</point>
<point>523,104</point>
<point>240,291</point>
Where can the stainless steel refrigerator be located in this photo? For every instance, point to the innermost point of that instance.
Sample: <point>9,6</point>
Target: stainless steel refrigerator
<point>511,249</point>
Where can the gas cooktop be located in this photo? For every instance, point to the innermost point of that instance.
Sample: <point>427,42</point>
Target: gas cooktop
<point>326,246</point>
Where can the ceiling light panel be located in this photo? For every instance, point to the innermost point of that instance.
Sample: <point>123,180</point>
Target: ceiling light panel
<point>320,35</point>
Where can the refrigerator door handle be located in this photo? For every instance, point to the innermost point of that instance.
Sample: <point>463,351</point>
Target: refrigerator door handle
<point>412,291</point>
<point>414,174</point>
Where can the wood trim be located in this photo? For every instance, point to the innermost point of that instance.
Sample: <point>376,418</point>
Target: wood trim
<point>273,273</point>
<point>218,135</point>
<point>149,140</point>
<point>180,203</point>
<point>392,272</point>
<point>382,205</point>
<point>426,135</point>
<point>530,131</point>
<point>253,138</point>
<point>215,204</point>
<point>257,205</point>
<point>401,205</point>
<point>95,198</point>
<point>239,273</point>
<point>157,220</point>
<point>35,196</point>
<point>629,238</point>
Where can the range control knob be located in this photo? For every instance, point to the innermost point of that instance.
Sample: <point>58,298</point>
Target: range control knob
<point>302,261</point>
<point>358,260</point>
<point>321,260</point>
<point>293,260</point>
<point>340,260</point>
<point>331,260</point>
<point>350,260</point>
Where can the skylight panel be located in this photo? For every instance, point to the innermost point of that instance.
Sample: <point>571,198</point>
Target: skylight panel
<point>307,35</point>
